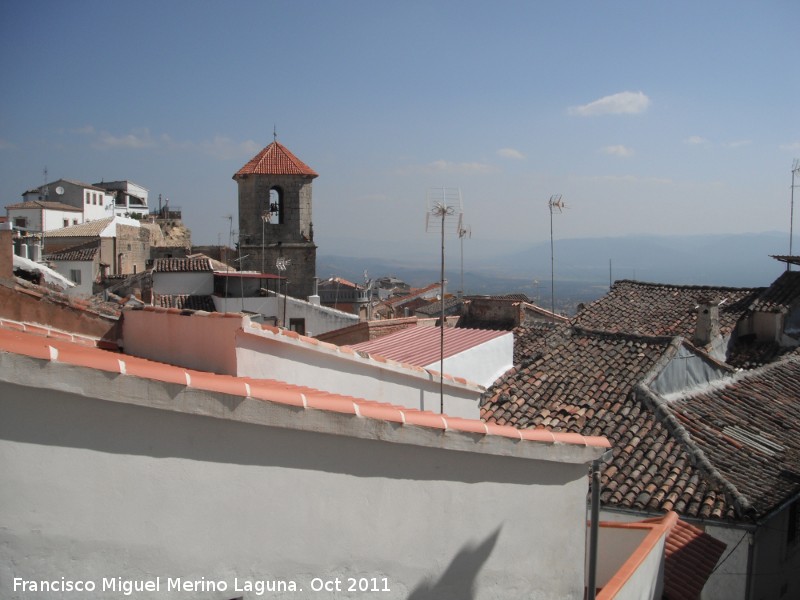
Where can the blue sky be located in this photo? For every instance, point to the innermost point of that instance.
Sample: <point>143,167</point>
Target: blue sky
<point>668,117</point>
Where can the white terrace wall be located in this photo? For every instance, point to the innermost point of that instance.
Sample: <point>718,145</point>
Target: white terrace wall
<point>197,283</point>
<point>347,373</point>
<point>232,345</point>
<point>131,479</point>
<point>482,364</point>
<point>318,319</point>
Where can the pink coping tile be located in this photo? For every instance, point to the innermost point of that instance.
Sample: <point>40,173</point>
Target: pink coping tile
<point>570,438</point>
<point>504,430</point>
<point>381,412</point>
<point>82,356</point>
<point>12,325</point>
<point>139,367</point>
<point>36,329</point>
<point>213,382</point>
<point>20,343</point>
<point>275,392</point>
<point>424,419</point>
<point>322,401</point>
<point>468,425</point>
<point>599,441</point>
<point>537,435</point>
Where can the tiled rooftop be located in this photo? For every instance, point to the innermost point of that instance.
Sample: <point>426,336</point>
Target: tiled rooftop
<point>783,294</point>
<point>748,430</point>
<point>81,252</point>
<point>47,204</point>
<point>420,346</point>
<point>275,159</point>
<point>583,382</point>
<point>87,229</point>
<point>661,309</point>
<point>695,455</point>
<point>690,556</point>
<point>186,302</point>
<point>181,265</point>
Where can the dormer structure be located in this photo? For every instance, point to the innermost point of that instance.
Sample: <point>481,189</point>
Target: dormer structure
<point>276,232</point>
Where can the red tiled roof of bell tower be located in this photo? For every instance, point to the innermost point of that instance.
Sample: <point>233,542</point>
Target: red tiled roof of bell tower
<point>275,159</point>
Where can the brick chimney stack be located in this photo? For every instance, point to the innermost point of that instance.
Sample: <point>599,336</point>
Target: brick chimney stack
<point>6,251</point>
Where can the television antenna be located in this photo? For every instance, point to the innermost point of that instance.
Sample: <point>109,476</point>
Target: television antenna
<point>464,231</point>
<point>282,264</point>
<point>795,171</point>
<point>444,214</point>
<point>556,204</point>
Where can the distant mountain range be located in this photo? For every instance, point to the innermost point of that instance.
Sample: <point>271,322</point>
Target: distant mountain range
<point>584,266</point>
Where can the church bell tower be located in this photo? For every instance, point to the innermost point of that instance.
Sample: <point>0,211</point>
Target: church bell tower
<point>275,217</point>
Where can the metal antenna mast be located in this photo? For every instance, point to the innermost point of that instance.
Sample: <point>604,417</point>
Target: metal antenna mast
<point>462,233</point>
<point>444,213</point>
<point>795,170</point>
<point>555,203</point>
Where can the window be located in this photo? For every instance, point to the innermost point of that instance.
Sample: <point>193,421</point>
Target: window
<point>75,275</point>
<point>88,198</point>
<point>298,325</point>
<point>74,221</point>
<point>21,222</point>
<point>66,222</point>
<point>276,207</point>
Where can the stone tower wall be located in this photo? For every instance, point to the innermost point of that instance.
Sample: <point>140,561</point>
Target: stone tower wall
<point>292,239</point>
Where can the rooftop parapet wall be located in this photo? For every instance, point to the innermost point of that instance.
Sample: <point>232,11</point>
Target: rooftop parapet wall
<point>231,344</point>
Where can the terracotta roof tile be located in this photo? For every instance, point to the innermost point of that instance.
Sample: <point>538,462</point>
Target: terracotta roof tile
<point>748,430</point>
<point>275,159</point>
<point>186,302</point>
<point>662,309</point>
<point>81,252</point>
<point>689,558</point>
<point>783,294</point>
<point>182,265</point>
<point>584,382</point>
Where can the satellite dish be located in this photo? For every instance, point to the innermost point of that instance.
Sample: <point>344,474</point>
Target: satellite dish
<point>60,191</point>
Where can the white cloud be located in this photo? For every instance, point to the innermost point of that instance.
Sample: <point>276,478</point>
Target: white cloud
<point>635,179</point>
<point>794,146</point>
<point>618,150</point>
<point>220,147</point>
<point>737,144</point>
<point>510,153</point>
<point>623,103</point>
<point>696,140</point>
<point>444,166</point>
<point>137,140</point>
<point>226,149</point>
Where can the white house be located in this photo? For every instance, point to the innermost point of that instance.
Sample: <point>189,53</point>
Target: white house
<point>80,264</point>
<point>129,198</point>
<point>93,201</point>
<point>35,216</point>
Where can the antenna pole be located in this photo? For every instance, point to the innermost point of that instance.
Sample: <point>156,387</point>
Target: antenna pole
<point>441,327</point>
<point>441,205</point>
<point>795,170</point>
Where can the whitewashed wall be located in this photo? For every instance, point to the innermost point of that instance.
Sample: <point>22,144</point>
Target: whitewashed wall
<point>219,344</point>
<point>115,477</point>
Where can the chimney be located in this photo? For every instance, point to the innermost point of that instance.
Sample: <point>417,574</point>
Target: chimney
<point>707,326</point>
<point>6,251</point>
